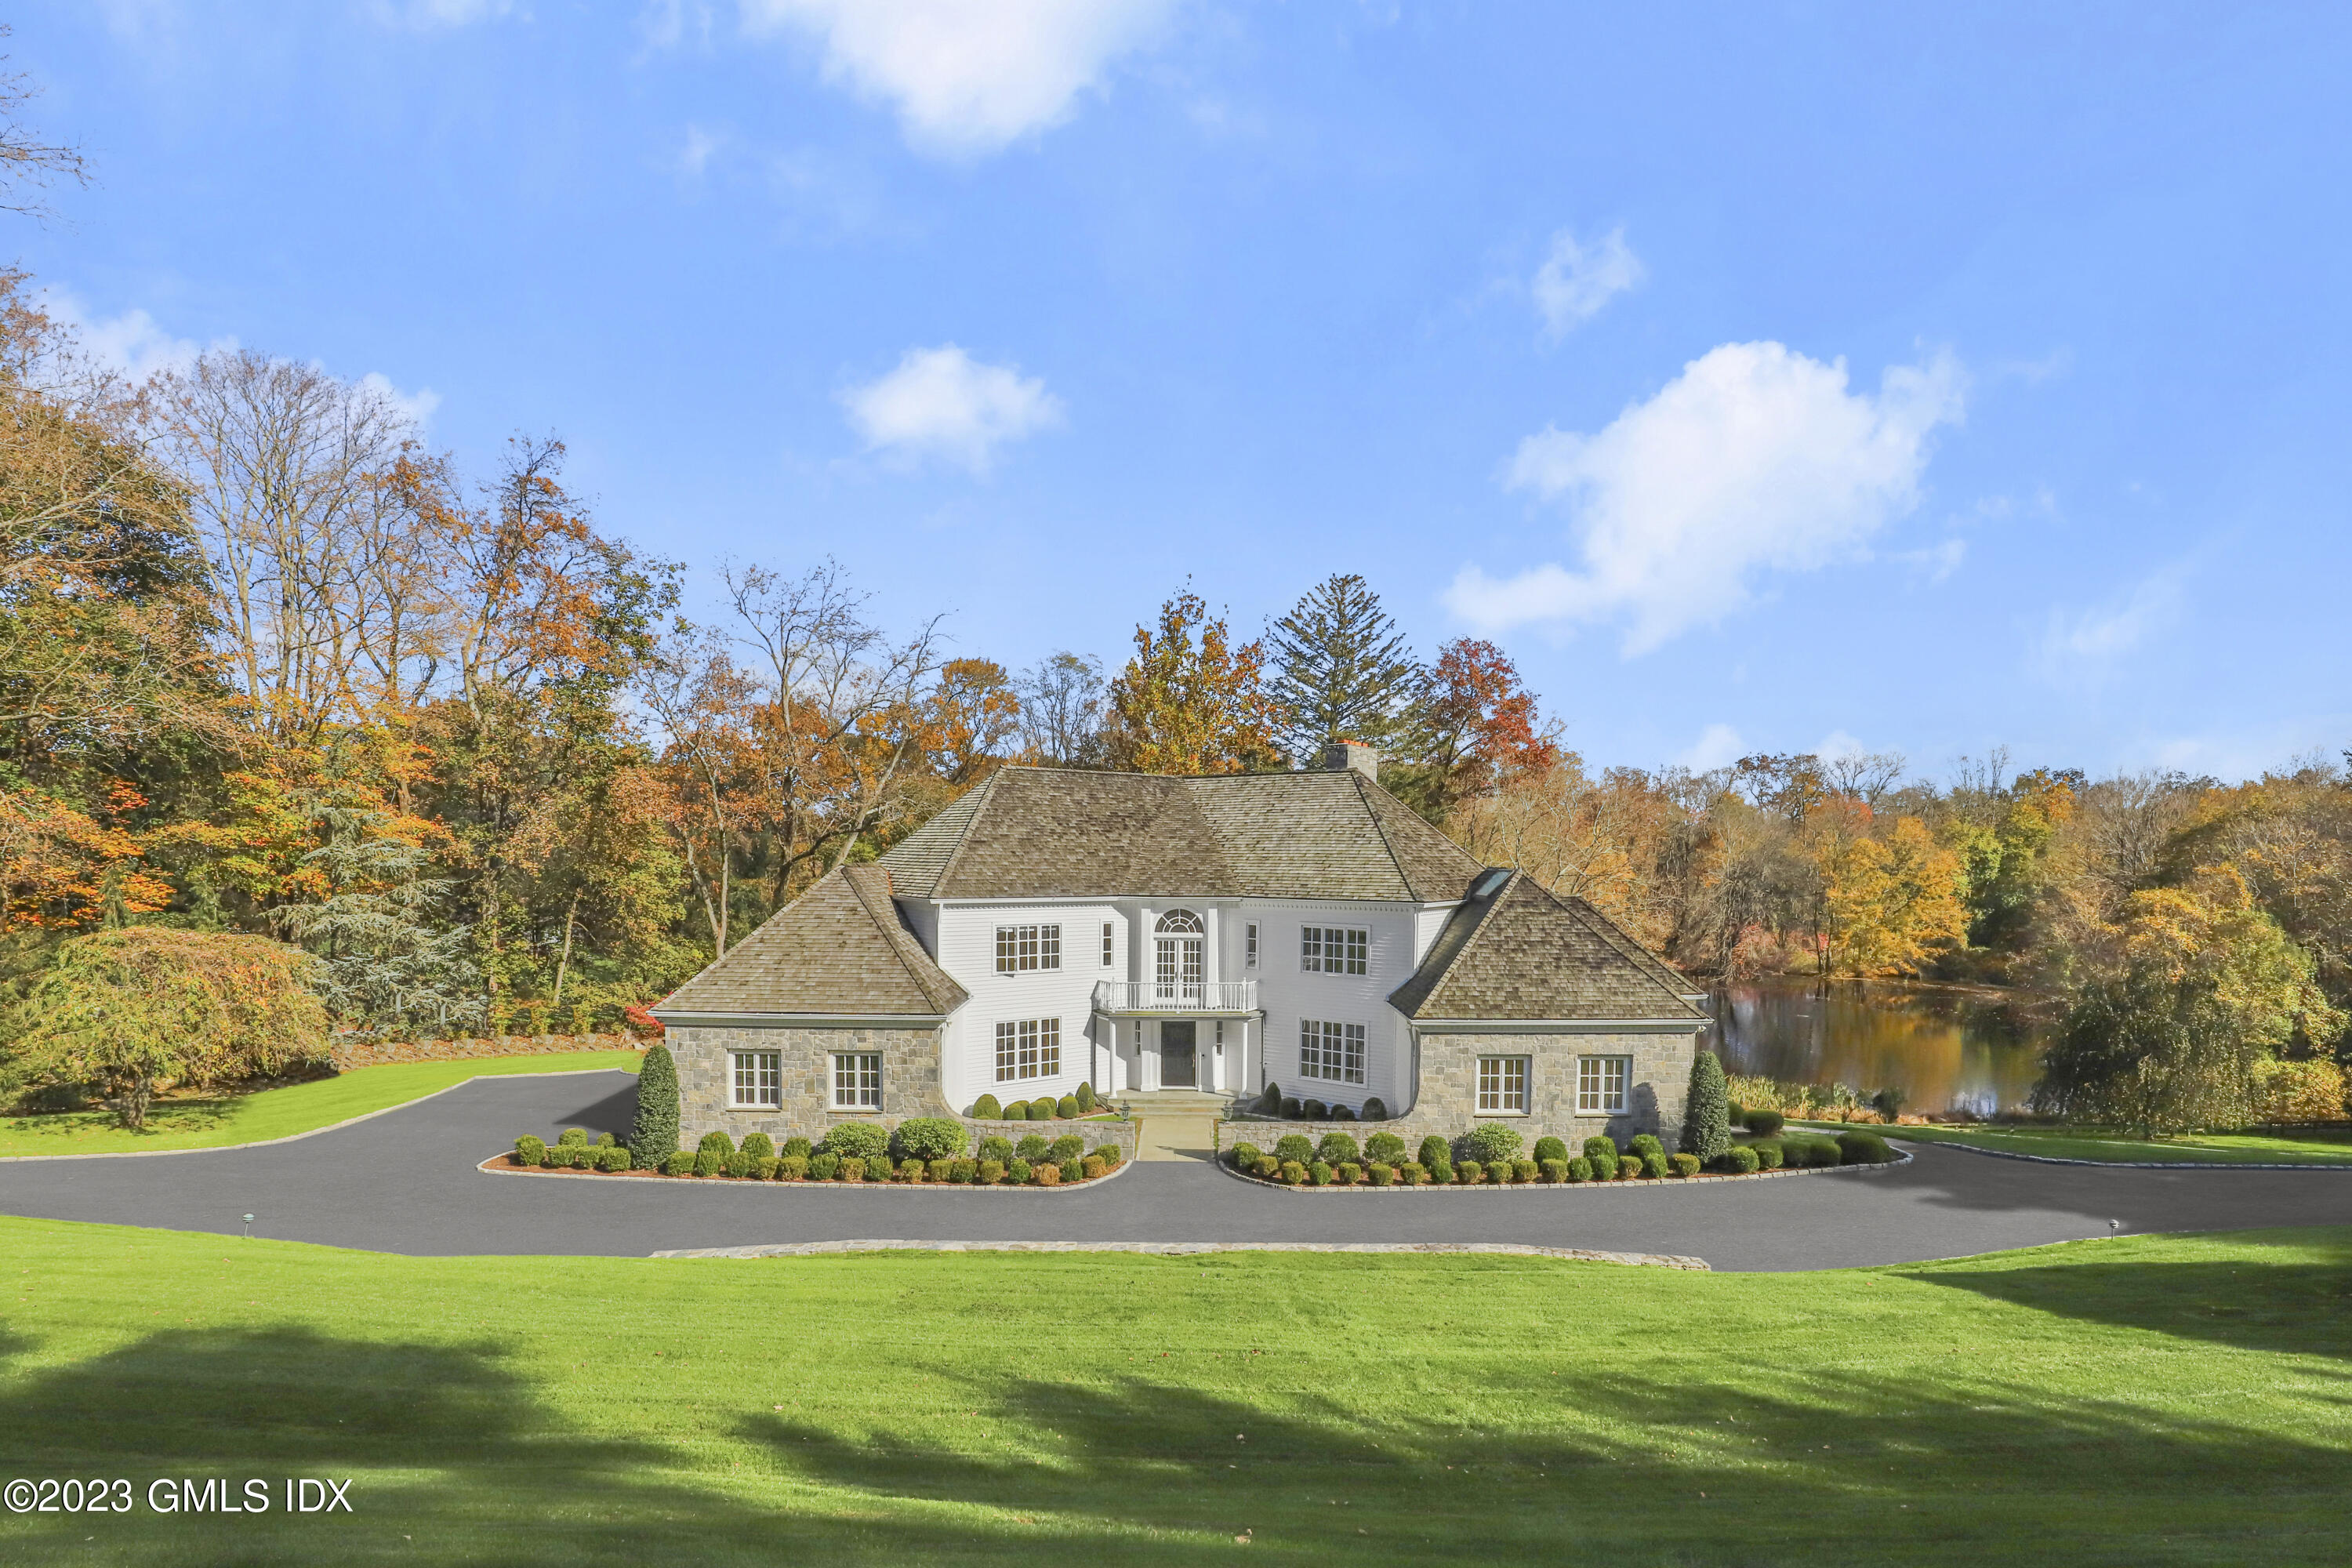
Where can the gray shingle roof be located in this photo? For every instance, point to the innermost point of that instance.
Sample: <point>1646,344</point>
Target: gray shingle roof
<point>1518,951</point>
<point>838,950</point>
<point>1051,833</point>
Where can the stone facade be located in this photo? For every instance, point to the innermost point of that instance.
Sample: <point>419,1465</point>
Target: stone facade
<point>910,1079</point>
<point>348,1055</point>
<point>1655,1092</point>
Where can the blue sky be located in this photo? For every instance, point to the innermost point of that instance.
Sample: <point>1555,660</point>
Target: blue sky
<point>1761,377</point>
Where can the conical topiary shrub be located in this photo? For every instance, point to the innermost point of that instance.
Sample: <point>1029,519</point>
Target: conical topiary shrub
<point>1706,1114</point>
<point>653,1137</point>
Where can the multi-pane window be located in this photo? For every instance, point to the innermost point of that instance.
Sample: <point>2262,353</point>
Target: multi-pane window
<point>1107,929</point>
<point>1333,950</point>
<point>1503,1084</point>
<point>1332,1051</point>
<point>1028,1047</point>
<point>857,1080</point>
<point>755,1078</point>
<point>1249,943</point>
<point>1027,947</point>
<point>1601,1084</point>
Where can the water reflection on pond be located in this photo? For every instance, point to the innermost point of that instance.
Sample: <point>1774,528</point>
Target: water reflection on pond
<point>1945,1049</point>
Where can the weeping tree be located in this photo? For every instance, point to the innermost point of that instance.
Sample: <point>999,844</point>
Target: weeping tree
<point>389,964</point>
<point>123,1013</point>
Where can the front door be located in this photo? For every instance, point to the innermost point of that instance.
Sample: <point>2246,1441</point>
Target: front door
<point>1176,1054</point>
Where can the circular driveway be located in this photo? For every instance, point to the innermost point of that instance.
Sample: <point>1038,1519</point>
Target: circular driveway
<point>406,1182</point>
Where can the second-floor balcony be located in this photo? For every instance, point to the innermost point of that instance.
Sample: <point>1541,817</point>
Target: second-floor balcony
<point>1176,995</point>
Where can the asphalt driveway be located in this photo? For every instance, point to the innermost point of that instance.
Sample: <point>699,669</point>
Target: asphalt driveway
<point>406,1182</point>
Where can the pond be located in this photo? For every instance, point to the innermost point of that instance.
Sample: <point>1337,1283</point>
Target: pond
<point>1947,1048</point>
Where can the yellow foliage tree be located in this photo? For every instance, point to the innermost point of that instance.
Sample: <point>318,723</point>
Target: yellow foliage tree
<point>1190,701</point>
<point>1894,902</point>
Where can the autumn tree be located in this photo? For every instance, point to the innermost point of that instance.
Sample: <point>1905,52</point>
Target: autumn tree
<point>1893,902</point>
<point>1062,712</point>
<point>1476,726</point>
<point>974,717</point>
<point>1342,671</point>
<point>1191,701</point>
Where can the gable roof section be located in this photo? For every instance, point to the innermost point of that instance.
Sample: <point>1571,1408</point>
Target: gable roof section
<point>1051,833</point>
<point>1520,952</point>
<point>837,951</point>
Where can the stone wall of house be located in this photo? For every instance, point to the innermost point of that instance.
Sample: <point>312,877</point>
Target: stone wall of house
<point>910,1079</point>
<point>1655,1092</point>
<point>347,1054</point>
<point>1119,1132</point>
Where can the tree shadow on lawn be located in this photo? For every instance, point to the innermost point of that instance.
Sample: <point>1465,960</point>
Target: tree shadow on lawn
<point>2301,1304</point>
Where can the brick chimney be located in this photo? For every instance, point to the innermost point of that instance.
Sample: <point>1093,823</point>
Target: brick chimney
<point>1341,755</point>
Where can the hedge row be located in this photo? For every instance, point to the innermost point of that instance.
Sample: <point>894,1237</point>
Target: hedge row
<point>1046,1107</point>
<point>1490,1156</point>
<point>1272,1101</point>
<point>863,1155</point>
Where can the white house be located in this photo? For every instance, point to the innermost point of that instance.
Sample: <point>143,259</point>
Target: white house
<point>1153,936</point>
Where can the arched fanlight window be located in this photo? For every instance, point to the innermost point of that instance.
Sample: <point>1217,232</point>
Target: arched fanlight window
<point>1179,921</point>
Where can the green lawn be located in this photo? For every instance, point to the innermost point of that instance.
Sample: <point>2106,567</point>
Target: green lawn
<point>2135,1402</point>
<point>276,1112</point>
<point>2085,1143</point>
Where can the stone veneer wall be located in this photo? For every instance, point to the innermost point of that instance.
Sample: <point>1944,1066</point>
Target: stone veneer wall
<point>347,1054</point>
<point>1449,1091</point>
<point>910,1079</point>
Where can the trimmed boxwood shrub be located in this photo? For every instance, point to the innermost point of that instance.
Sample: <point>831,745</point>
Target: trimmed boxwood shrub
<point>1293,1172</point>
<point>1342,1113</point>
<point>1596,1147</point>
<point>1645,1144</point>
<point>858,1140</point>
<point>931,1138</point>
<point>1267,1167</point>
<point>1551,1170</point>
<point>1320,1173</point>
<point>1090,1168</point>
<point>1269,1101</point>
<point>1525,1171</point>
<point>530,1151</point>
<point>1313,1111</point>
<point>679,1164</point>
<point>964,1171</point>
<point>556,1157</point>
<point>991,1171</point>
<point>1086,1098</point>
<point>1290,1109</point>
<point>1602,1161</point>
<point>716,1143</point>
<point>606,1141</point>
<point>853,1168</point>
<point>1580,1169</point>
<point>1246,1156</point>
<point>824,1166</point>
<point>1069,1146</point>
<point>988,1108</point>
<point>708,1162</point>
<point>1073,1170</point>
<point>1044,1173</point>
<point>1338,1149</point>
<point>1739,1160</point>
<point>1017,1173</point>
<point>1044,1108</point>
<point>737,1164</point>
<point>759,1145</point>
<point>793,1168</point>
<point>1385,1147</point>
<point>1380,1173</point>
<point>996,1147</point>
<point>797,1146</point>
<point>1491,1140</point>
<point>1294,1146</point>
<point>1032,1148</point>
<point>940,1170</point>
<point>1550,1149</point>
<point>1629,1167</point>
<point>1822,1152</point>
<point>653,1136</point>
<point>1414,1174</point>
<point>764,1168</point>
<point>1764,1123</point>
<point>1862,1149</point>
<point>1351,1174</point>
<point>1434,1149</point>
<point>573,1138</point>
<point>1654,1166</point>
<point>1376,1110</point>
<point>1469,1172</point>
<point>1110,1153</point>
<point>1067,1108</point>
<point>1684,1164</point>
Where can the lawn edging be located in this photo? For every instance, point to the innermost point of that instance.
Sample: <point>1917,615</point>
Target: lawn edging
<point>1902,1158</point>
<point>313,1133</point>
<point>1195,1248</point>
<point>2124,1164</point>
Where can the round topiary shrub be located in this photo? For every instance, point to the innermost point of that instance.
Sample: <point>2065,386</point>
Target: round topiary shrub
<point>1294,1146</point>
<point>1313,1111</point>
<point>1376,1110</point>
<point>931,1138</point>
<point>1245,1156</point>
<point>853,1168</point>
<point>679,1164</point>
<point>1768,1155</point>
<point>759,1145</point>
<point>793,1168</point>
<point>1086,1098</point>
<point>1073,1170</point>
<point>1603,1162</point>
<point>1654,1166</point>
<point>1596,1147</point>
<point>991,1171</point>
<point>708,1162</point>
<point>1764,1123</point>
<point>1862,1149</point>
<point>606,1141</point>
<point>1741,1159</point>
<point>1550,1149</point>
<point>764,1168</point>
<point>1018,1172</point>
<point>964,1170</point>
<point>1069,1146</point>
<point>1338,1149</point>
<point>1491,1140</point>
<point>1350,1173</point>
<point>1044,1108</point>
<point>1553,1170</point>
<point>573,1138</point>
<point>996,1147</point>
<point>1320,1173</point>
<point>1032,1148</point>
<point>1580,1169</point>
<point>715,1142</point>
<point>1645,1144</point>
<point>1525,1171</point>
<point>529,1151</point>
<point>1290,1109</point>
<point>1109,1153</point>
<point>1268,1167</point>
<point>988,1108</point>
<point>737,1164</point>
<point>858,1141</point>
<point>1067,1108</point>
<point>942,1170</point>
<point>1044,1173</point>
<point>824,1165</point>
<point>1341,1113</point>
<point>1434,1149</point>
<point>1469,1172</point>
<point>1414,1174</point>
<point>1091,1168</point>
<point>1823,1152</point>
<point>1382,1175</point>
<point>1293,1172</point>
<point>1269,1101</point>
<point>800,1146</point>
<point>1684,1165</point>
<point>1385,1147</point>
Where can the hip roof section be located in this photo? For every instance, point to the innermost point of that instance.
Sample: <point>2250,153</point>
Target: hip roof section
<point>839,949</point>
<point>1521,952</point>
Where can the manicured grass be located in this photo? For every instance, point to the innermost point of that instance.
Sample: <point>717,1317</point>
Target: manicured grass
<point>2085,1143</point>
<point>276,1112</point>
<point>2142,1400</point>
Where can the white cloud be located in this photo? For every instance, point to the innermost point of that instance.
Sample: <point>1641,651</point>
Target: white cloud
<point>2082,648</point>
<point>701,146</point>
<point>416,408</point>
<point>424,14</point>
<point>1576,280</point>
<point>1838,743</point>
<point>1936,561</point>
<point>1755,458</point>
<point>1718,746</point>
<point>132,345</point>
<point>942,403</point>
<point>968,77</point>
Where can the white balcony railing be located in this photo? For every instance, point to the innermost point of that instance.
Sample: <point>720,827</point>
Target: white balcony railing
<point>1176,997</point>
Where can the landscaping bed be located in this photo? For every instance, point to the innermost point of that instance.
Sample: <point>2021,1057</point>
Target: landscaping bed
<point>1490,1157</point>
<point>921,1151</point>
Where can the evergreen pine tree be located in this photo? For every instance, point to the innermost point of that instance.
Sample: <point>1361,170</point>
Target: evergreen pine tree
<point>653,1138</point>
<point>1342,670</point>
<point>1706,1114</point>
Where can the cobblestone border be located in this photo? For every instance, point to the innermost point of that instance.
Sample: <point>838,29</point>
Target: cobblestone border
<point>1901,1158</point>
<point>1195,1248</point>
<point>496,1166</point>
